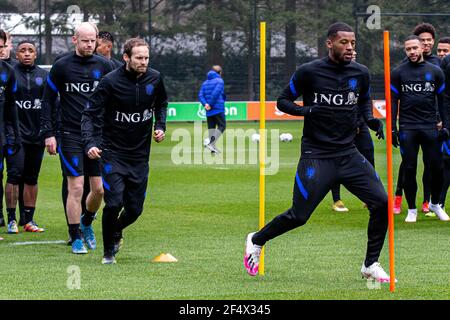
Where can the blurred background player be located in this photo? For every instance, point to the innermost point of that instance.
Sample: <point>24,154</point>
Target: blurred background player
<point>7,53</point>
<point>74,77</point>
<point>24,166</point>
<point>445,66</point>
<point>427,35</point>
<point>416,88</point>
<point>9,122</point>
<point>364,144</point>
<point>105,43</point>
<point>212,97</point>
<point>443,47</point>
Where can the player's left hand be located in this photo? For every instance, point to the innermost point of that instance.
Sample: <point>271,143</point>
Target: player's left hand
<point>158,135</point>
<point>377,126</point>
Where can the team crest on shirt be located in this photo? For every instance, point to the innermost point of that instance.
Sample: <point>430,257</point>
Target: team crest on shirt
<point>353,83</point>
<point>4,76</point>
<point>39,81</point>
<point>149,89</point>
<point>96,74</point>
<point>428,76</point>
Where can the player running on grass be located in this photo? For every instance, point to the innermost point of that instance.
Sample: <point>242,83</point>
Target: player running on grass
<point>334,89</point>
<point>75,77</point>
<point>416,86</point>
<point>123,107</point>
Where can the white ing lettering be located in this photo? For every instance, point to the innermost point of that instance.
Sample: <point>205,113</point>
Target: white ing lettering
<point>27,104</point>
<point>418,87</point>
<point>133,117</point>
<point>335,99</point>
<point>81,87</point>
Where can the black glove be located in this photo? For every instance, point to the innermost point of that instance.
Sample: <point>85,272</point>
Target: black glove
<point>395,139</point>
<point>444,134</point>
<point>376,125</point>
<point>12,149</point>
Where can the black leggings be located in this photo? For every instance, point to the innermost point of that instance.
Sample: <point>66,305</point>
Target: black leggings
<point>314,179</point>
<point>410,141</point>
<point>364,144</point>
<point>216,126</point>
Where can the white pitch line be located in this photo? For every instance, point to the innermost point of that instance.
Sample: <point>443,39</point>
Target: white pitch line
<point>36,242</point>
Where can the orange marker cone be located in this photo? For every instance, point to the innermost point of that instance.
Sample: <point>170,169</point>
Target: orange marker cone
<point>165,257</point>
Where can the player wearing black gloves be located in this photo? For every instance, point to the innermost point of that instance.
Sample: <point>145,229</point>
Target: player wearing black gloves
<point>334,89</point>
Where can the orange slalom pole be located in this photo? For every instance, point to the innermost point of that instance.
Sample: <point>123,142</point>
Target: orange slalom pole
<point>387,88</point>
<point>262,136</point>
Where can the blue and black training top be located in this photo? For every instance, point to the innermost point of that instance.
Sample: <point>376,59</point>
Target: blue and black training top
<point>336,92</point>
<point>418,86</point>
<point>75,79</point>
<point>123,106</point>
<point>31,82</point>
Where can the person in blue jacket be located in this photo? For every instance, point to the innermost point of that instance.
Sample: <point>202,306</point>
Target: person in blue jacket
<point>212,97</point>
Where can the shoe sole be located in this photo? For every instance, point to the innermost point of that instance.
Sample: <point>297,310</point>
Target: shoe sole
<point>383,280</point>
<point>109,262</point>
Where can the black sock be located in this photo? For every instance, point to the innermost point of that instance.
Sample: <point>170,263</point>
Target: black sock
<point>11,214</point>
<point>74,231</point>
<point>125,219</point>
<point>28,213</point>
<point>87,217</point>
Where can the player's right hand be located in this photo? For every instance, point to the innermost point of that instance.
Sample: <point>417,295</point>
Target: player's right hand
<point>395,140</point>
<point>50,145</point>
<point>94,153</point>
<point>207,107</point>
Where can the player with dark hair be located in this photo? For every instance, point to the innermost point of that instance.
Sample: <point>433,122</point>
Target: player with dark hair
<point>123,107</point>
<point>105,42</point>
<point>443,47</point>
<point>364,144</point>
<point>24,166</point>
<point>75,77</point>
<point>10,140</point>
<point>416,87</point>
<point>6,53</point>
<point>334,89</point>
<point>426,34</point>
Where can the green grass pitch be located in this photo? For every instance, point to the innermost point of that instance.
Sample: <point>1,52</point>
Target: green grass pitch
<point>201,214</point>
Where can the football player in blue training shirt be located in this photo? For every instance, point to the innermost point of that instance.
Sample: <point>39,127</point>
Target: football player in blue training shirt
<point>122,108</point>
<point>416,87</point>
<point>334,90</point>
<point>75,77</point>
